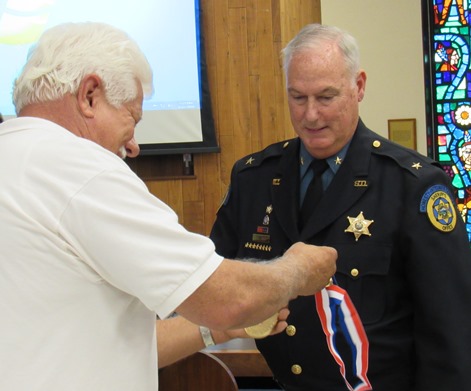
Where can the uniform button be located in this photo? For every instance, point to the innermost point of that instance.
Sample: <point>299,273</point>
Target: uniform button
<point>296,369</point>
<point>291,330</point>
<point>354,272</point>
<point>376,143</point>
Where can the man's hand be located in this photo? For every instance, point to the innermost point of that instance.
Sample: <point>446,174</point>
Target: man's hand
<point>313,267</point>
<point>240,333</point>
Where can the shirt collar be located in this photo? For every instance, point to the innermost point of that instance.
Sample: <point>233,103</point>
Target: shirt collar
<point>334,162</point>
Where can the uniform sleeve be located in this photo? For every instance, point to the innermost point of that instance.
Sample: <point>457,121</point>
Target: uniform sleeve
<point>224,232</point>
<point>439,273</point>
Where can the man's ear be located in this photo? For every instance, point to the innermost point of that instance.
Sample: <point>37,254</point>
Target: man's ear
<point>89,92</point>
<point>361,84</point>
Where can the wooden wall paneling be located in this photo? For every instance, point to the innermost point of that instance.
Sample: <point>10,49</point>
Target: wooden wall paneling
<point>237,3</point>
<point>261,59</point>
<point>293,16</point>
<point>175,197</point>
<point>254,20</point>
<point>193,200</point>
<point>213,192</point>
<point>193,216</point>
<point>310,12</point>
<point>160,190</point>
<point>256,120</point>
<point>239,96</point>
<point>210,34</point>
<point>192,190</point>
<point>215,26</point>
<point>227,159</point>
<point>289,19</point>
<point>283,130</point>
<point>219,79</point>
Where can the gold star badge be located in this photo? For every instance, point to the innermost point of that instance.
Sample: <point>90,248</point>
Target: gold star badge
<point>417,165</point>
<point>359,226</point>
<point>338,160</point>
<point>250,160</point>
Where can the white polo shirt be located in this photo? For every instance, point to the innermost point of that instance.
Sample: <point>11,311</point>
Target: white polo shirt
<point>88,258</point>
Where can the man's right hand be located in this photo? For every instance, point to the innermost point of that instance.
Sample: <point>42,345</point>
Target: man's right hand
<point>313,267</point>
<point>244,293</point>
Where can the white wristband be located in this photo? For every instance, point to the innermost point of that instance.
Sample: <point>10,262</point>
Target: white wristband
<point>206,336</point>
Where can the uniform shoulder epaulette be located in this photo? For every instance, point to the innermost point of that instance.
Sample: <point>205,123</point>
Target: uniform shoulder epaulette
<point>257,158</point>
<point>406,158</point>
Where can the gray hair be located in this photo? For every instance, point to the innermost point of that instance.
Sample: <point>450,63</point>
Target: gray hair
<point>312,35</point>
<point>65,53</point>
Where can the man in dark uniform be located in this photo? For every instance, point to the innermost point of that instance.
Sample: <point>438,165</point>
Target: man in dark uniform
<point>404,257</point>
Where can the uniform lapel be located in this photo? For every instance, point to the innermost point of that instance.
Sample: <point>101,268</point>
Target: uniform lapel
<point>347,186</point>
<point>285,190</point>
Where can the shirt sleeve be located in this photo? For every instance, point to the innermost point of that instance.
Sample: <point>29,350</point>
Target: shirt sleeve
<point>134,241</point>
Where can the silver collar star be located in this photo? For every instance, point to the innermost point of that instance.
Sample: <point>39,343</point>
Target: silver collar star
<point>416,165</point>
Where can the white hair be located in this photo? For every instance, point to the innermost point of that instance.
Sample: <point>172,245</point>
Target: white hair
<point>65,53</point>
<point>311,35</point>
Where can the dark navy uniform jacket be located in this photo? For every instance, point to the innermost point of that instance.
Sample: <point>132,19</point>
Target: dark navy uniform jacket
<point>410,280</point>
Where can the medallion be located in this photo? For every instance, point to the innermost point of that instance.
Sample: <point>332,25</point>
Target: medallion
<point>263,329</point>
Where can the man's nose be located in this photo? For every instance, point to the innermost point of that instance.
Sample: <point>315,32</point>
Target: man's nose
<point>132,148</point>
<point>312,110</point>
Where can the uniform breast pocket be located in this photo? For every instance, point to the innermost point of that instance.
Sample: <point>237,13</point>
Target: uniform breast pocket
<point>363,273</point>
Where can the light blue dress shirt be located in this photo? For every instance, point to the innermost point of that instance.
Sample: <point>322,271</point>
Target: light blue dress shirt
<point>306,175</point>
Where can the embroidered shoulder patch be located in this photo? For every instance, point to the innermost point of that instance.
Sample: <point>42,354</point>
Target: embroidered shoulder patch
<point>437,203</point>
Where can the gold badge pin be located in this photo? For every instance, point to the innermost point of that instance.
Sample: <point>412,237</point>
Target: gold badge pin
<point>263,329</point>
<point>359,226</point>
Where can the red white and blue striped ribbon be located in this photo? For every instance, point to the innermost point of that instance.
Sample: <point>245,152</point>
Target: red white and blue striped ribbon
<point>338,315</point>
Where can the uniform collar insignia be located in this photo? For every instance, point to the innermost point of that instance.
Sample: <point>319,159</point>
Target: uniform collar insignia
<point>250,160</point>
<point>416,165</point>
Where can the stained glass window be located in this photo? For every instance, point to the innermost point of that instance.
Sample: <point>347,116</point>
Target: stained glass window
<point>447,36</point>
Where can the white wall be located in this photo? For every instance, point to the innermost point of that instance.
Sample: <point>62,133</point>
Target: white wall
<point>389,33</point>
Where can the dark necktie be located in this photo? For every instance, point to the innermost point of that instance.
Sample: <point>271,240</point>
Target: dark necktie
<point>314,191</point>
